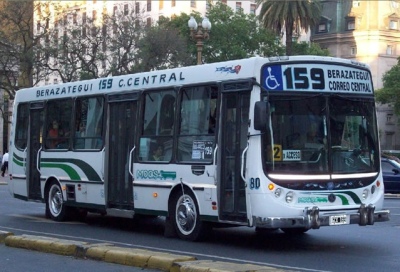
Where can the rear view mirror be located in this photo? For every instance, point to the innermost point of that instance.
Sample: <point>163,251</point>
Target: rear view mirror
<point>261,116</point>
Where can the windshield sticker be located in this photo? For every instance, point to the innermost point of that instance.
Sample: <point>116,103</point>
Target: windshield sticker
<point>291,155</point>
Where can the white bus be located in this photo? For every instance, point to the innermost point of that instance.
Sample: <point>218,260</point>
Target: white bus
<point>285,143</point>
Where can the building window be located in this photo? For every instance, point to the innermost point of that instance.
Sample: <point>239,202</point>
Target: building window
<point>192,4</point>
<point>321,28</point>
<point>253,8</point>
<point>160,4</point>
<point>126,9</point>
<point>223,1</point>
<point>148,5</point>
<point>356,4</point>
<point>389,49</point>
<point>137,7</point>
<point>148,22</point>
<point>389,118</point>
<point>351,24</point>
<point>393,25</point>
<point>353,50</point>
<point>238,6</point>
<point>173,3</point>
<point>94,15</point>
<point>84,18</point>
<point>75,18</point>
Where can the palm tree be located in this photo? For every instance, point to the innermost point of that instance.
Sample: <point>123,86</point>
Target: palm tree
<point>289,15</point>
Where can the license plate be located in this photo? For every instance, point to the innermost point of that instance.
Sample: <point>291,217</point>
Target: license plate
<point>338,220</point>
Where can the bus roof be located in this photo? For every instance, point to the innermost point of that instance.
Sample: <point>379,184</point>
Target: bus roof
<point>214,72</point>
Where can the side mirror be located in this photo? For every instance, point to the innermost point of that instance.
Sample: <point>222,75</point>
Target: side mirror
<point>261,116</point>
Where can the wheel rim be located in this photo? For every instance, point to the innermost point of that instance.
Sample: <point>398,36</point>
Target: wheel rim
<point>55,200</point>
<point>186,214</point>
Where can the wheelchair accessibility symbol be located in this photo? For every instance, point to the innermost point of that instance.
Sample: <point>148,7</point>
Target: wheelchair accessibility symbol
<point>271,81</point>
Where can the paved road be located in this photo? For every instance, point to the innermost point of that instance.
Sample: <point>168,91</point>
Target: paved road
<point>17,259</point>
<point>133,258</point>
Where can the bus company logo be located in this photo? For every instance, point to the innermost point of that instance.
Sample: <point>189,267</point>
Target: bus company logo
<point>310,199</point>
<point>155,174</point>
<point>229,69</point>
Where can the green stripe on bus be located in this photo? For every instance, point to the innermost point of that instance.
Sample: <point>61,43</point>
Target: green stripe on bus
<point>85,167</point>
<point>344,199</point>
<point>61,163</point>
<point>68,169</point>
<point>353,196</point>
<point>17,162</point>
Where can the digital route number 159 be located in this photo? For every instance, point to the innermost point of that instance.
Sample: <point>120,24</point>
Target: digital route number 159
<point>301,78</point>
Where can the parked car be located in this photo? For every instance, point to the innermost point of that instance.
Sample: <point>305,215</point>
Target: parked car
<point>391,175</point>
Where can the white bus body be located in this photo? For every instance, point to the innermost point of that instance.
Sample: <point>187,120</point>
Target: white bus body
<point>216,143</point>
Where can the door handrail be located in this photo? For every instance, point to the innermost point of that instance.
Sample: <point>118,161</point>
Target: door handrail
<point>130,166</point>
<point>38,160</point>
<point>242,166</point>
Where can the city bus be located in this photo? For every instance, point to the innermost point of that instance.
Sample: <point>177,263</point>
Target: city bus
<point>283,143</point>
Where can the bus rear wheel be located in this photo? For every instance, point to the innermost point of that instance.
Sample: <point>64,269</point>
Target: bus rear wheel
<point>186,218</point>
<point>55,206</point>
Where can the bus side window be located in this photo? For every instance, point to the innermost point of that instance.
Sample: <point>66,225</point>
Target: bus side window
<point>197,124</point>
<point>157,126</point>
<point>21,133</point>
<point>88,131</point>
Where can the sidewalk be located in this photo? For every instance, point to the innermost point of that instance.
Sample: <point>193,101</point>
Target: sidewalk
<point>3,180</point>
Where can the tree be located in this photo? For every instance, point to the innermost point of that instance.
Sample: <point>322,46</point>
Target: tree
<point>17,46</point>
<point>292,16</point>
<point>390,93</point>
<point>304,48</point>
<point>233,35</point>
<point>161,47</point>
<point>84,46</point>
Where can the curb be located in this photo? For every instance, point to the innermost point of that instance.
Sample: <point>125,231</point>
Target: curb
<point>124,256</point>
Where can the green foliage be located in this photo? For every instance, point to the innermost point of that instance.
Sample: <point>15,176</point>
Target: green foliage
<point>390,93</point>
<point>233,35</point>
<point>304,48</point>
<point>289,16</point>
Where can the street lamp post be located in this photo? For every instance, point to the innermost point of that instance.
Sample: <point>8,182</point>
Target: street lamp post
<point>199,34</point>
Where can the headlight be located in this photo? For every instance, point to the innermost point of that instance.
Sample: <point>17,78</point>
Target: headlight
<point>289,197</point>
<point>278,192</point>
<point>365,194</point>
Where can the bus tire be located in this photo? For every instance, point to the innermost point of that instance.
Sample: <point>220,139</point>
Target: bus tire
<point>55,206</point>
<point>185,217</point>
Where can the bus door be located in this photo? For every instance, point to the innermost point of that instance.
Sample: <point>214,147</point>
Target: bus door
<point>121,135</point>
<point>33,149</point>
<point>233,141</point>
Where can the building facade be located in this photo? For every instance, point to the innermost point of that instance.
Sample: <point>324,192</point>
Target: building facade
<point>366,31</point>
<point>369,32</point>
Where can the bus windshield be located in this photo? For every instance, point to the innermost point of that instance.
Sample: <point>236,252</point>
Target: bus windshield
<point>321,135</point>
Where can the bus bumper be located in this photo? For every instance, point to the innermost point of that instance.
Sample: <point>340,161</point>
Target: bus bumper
<point>313,218</point>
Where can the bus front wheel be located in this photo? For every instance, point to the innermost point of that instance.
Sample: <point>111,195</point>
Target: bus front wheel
<point>185,217</point>
<point>55,206</point>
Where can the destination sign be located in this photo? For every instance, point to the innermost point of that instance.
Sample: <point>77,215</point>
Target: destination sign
<point>316,77</point>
